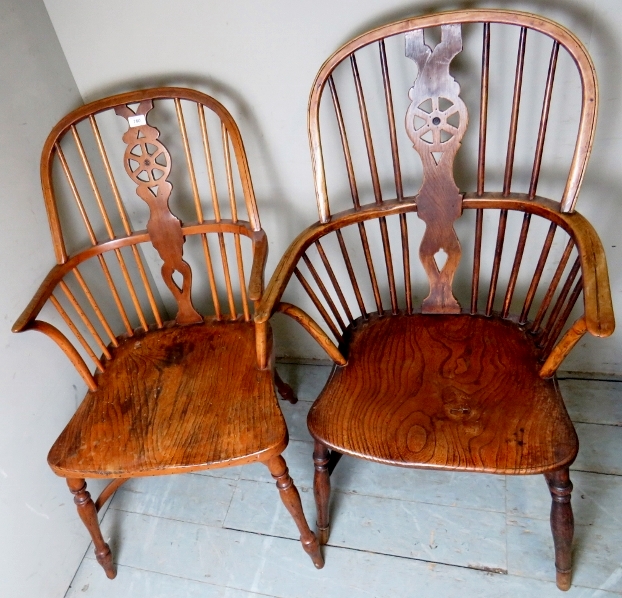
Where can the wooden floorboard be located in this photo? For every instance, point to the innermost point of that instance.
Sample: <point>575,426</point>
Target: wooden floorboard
<point>396,532</point>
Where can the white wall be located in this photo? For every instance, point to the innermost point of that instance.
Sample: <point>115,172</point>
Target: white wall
<point>260,57</point>
<point>42,539</point>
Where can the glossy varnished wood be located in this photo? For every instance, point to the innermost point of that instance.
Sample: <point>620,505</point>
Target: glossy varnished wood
<point>177,399</point>
<point>168,395</point>
<point>445,392</point>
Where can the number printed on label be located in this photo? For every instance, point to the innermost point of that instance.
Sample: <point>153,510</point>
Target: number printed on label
<point>137,121</point>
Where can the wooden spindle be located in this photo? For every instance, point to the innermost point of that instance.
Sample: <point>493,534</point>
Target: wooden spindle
<point>544,118</point>
<point>85,319</point>
<point>388,97</point>
<point>211,277</point>
<point>369,145</point>
<point>406,263</point>
<point>370,267</point>
<point>518,258</point>
<point>225,267</point>
<point>389,263</point>
<point>344,143</point>
<point>208,162</point>
<point>92,182</point>
<point>95,306</point>
<point>318,304</point>
<point>477,258</point>
<point>132,290</point>
<point>563,317</point>
<point>483,121</point>
<point>76,332</point>
<point>193,179</point>
<point>565,345</point>
<point>503,218</point>
<point>553,286</point>
<point>108,226</point>
<point>334,281</point>
<point>350,269</point>
<point>559,303</point>
<point>518,82</point>
<point>214,194</point>
<point>125,220</point>
<point>115,295</point>
<point>76,194</point>
<point>234,217</point>
<point>324,291</point>
<point>243,293</point>
<point>535,281</point>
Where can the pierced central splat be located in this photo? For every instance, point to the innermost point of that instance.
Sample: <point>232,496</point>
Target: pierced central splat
<point>148,164</point>
<point>435,122</point>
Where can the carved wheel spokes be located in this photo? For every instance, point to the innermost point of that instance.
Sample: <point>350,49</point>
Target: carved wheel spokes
<point>435,122</point>
<point>143,165</point>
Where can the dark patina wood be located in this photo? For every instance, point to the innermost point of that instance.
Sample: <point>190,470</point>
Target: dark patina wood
<point>433,385</point>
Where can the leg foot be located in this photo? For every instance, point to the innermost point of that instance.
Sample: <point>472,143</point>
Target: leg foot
<point>321,490</point>
<point>284,389</point>
<point>88,514</point>
<point>291,500</point>
<point>562,524</point>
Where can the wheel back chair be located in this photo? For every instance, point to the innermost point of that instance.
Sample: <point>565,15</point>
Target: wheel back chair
<point>440,384</point>
<point>173,391</point>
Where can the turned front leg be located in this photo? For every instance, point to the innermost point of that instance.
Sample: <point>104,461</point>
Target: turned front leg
<point>88,514</point>
<point>321,490</point>
<point>291,500</point>
<point>562,524</point>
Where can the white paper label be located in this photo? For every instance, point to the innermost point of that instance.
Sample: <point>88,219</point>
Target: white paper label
<point>137,121</point>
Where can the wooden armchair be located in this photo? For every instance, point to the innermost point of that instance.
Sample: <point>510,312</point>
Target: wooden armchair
<point>173,391</point>
<point>435,383</point>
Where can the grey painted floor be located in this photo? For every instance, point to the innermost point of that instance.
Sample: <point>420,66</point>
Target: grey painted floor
<point>395,532</point>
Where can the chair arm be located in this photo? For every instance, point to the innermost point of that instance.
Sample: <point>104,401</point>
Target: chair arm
<point>63,342</point>
<point>309,324</point>
<point>260,256</point>
<point>43,293</point>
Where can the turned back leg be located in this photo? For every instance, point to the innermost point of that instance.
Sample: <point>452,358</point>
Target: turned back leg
<point>284,389</point>
<point>562,524</point>
<point>88,514</point>
<point>291,500</point>
<point>321,490</point>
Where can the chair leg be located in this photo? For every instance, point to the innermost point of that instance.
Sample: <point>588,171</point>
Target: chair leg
<point>321,490</point>
<point>562,524</point>
<point>284,389</point>
<point>88,514</point>
<point>291,500</point>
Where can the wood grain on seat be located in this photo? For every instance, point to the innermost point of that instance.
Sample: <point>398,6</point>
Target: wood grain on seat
<point>173,400</point>
<point>445,392</point>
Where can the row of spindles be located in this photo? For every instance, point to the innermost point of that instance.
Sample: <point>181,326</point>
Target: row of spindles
<point>143,317</point>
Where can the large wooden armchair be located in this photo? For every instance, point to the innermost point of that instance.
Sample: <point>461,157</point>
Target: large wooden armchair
<point>169,333</point>
<point>422,379</point>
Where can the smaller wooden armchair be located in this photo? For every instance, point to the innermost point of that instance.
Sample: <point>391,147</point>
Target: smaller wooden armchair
<point>173,391</point>
<point>421,379</point>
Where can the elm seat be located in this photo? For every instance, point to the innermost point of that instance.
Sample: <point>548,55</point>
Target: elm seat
<point>445,392</point>
<point>171,401</point>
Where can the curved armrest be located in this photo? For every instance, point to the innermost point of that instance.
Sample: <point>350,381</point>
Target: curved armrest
<point>68,349</point>
<point>260,256</point>
<point>43,293</point>
<point>309,324</point>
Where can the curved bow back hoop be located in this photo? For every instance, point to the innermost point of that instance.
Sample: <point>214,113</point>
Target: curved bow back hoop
<point>435,123</point>
<point>148,163</point>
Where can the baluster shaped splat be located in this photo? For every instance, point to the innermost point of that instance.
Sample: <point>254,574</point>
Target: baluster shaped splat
<point>435,122</point>
<point>148,163</point>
